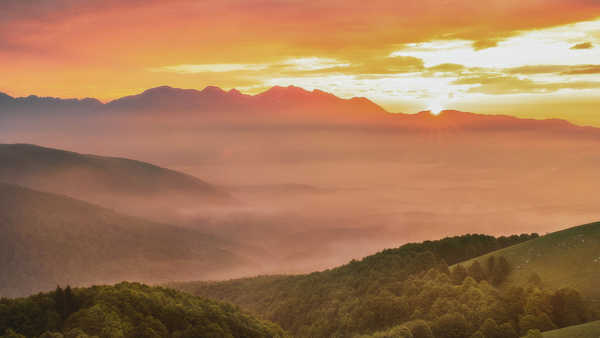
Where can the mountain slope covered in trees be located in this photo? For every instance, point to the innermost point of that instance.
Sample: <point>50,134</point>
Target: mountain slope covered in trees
<point>48,239</point>
<point>126,310</point>
<point>410,286</point>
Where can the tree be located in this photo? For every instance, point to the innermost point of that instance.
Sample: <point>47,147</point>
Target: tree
<point>10,333</point>
<point>500,272</point>
<point>541,321</point>
<point>506,330</point>
<point>77,333</point>
<point>491,265</point>
<point>476,271</point>
<point>533,334</point>
<point>568,308</point>
<point>535,280</point>
<point>59,300</point>
<point>458,274</point>
<point>420,329</point>
<point>49,334</point>
<point>451,325</point>
<point>70,302</point>
<point>490,329</point>
<point>400,331</point>
<point>478,334</point>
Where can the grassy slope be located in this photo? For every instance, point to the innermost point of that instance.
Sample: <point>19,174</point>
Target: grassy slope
<point>569,257</point>
<point>587,330</point>
<point>48,239</point>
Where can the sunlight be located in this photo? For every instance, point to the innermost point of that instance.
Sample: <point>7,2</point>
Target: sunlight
<point>435,108</point>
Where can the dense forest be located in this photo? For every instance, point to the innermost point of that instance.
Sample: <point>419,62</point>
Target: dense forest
<point>126,310</point>
<point>408,292</point>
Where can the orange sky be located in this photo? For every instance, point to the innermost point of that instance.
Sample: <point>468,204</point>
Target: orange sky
<point>537,58</point>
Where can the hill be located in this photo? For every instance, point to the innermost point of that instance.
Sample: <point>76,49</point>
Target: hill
<point>379,292</point>
<point>570,257</point>
<point>126,310</point>
<point>130,186</point>
<point>47,239</point>
<point>587,330</point>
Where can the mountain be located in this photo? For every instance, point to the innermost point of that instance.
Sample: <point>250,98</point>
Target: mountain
<point>280,102</point>
<point>570,257</point>
<point>48,239</point>
<point>126,310</point>
<point>453,120</point>
<point>127,185</point>
<point>37,104</point>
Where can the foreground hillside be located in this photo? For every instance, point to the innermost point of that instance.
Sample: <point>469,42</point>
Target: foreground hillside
<point>565,258</point>
<point>588,330</point>
<point>406,288</point>
<point>47,239</point>
<point>126,310</point>
<point>129,186</point>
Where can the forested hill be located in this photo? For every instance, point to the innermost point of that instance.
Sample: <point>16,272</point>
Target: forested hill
<point>126,310</point>
<point>380,291</point>
<point>48,239</point>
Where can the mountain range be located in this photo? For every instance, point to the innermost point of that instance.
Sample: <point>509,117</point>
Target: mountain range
<point>275,105</point>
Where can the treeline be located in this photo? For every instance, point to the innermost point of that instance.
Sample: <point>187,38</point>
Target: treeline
<point>363,296</point>
<point>438,304</point>
<point>126,310</point>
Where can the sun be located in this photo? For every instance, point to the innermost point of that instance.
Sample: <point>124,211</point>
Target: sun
<point>435,108</point>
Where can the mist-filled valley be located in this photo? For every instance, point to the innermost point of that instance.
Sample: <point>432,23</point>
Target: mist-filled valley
<point>309,169</point>
<point>296,190</point>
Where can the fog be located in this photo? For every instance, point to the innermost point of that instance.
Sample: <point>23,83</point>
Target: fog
<point>312,196</point>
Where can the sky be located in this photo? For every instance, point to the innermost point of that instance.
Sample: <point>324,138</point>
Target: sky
<point>528,58</point>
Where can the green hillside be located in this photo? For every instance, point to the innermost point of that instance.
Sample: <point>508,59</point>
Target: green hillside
<point>398,287</point>
<point>587,330</point>
<point>569,257</point>
<point>47,239</point>
<point>126,310</point>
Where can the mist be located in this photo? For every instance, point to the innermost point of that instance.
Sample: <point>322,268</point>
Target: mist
<point>311,196</point>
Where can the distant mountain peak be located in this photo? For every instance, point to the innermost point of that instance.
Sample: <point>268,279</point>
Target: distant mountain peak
<point>213,90</point>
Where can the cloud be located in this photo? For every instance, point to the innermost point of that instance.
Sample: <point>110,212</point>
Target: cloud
<point>210,68</point>
<point>446,68</point>
<point>495,84</point>
<point>583,45</point>
<point>483,44</point>
<point>554,69</point>
<point>306,65</point>
<point>582,70</point>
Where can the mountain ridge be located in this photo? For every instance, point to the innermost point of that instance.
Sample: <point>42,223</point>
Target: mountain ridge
<point>132,186</point>
<point>286,102</point>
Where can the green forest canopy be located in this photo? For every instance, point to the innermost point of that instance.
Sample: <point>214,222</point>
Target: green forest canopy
<point>126,310</point>
<point>407,290</point>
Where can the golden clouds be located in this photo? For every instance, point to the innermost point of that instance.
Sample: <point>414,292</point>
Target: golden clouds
<point>503,84</point>
<point>583,45</point>
<point>403,53</point>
